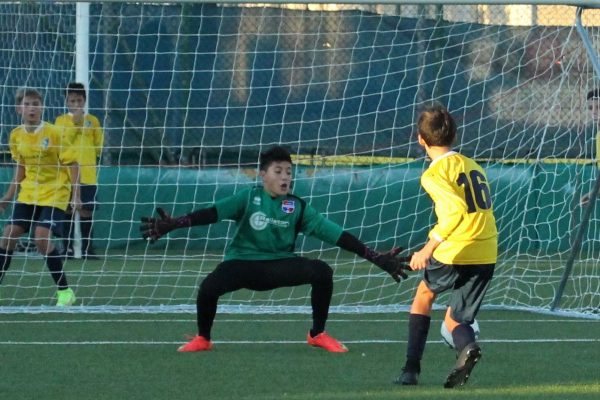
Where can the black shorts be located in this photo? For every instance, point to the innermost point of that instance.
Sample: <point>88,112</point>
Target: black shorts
<point>261,275</point>
<point>468,283</point>
<point>26,215</point>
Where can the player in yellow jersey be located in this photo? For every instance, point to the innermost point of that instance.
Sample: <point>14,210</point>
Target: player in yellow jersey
<point>87,138</point>
<point>593,104</point>
<point>42,174</point>
<point>461,252</point>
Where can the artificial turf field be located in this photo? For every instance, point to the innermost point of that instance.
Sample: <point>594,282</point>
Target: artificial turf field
<point>264,356</point>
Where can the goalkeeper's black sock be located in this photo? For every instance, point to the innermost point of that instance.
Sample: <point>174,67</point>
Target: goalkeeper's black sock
<point>320,300</point>
<point>314,332</point>
<point>418,329</point>
<point>55,265</point>
<point>206,310</point>
<point>462,335</point>
<point>5,258</point>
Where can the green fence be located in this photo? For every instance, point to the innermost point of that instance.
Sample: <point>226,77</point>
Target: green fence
<point>536,205</point>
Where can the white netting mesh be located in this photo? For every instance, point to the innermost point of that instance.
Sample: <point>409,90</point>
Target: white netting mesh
<point>189,94</point>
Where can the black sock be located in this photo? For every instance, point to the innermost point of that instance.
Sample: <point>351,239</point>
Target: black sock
<point>86,234</point>
<point>320,300</point>
<point>55,265</point>
<point>462,335</point>
<point>5,258</point>
<point>206,310</point>
<point>418,329</point>
<point>320,296</point>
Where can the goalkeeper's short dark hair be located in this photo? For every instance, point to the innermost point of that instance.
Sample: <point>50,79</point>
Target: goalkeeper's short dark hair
<point>593,94</point>
<point>76,88</point>
<point>436,126</point>
<point>274,154</point>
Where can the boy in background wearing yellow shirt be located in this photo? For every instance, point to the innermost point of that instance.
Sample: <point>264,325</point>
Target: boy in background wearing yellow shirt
<point>461,252</point>
<point>45,177</point>
<point>87,138</point>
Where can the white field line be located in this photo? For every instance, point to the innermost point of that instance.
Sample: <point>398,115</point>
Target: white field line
<point>285,320</point>
<point>260,342</point>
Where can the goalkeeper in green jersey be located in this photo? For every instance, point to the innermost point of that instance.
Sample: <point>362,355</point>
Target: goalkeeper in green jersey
<point>261,254</point>
<point>461,252</point>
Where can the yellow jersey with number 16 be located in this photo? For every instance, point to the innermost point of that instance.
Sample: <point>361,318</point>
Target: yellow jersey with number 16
<point>462,199</point>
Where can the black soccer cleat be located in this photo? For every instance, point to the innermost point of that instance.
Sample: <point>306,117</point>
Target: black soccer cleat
<point>407,377</point>
<point>465,363</point>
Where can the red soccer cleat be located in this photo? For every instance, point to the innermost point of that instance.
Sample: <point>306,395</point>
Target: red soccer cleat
<point>326,342</point>
<point>198,343</point>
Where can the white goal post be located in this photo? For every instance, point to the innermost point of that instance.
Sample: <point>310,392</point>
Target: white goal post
<point>189,92</point>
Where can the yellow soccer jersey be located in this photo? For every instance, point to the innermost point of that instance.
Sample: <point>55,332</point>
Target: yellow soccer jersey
<point>463,205</point>
<point>45,160</point>
<point>87,142</point>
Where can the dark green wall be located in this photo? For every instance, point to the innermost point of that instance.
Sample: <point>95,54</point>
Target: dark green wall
<point>382,204</point>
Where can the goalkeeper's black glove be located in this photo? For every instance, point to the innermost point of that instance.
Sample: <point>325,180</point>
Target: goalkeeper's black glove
<point>388,262</point>
<point>153,228</point>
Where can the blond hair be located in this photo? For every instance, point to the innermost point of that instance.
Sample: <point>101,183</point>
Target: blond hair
<point>27,92</point>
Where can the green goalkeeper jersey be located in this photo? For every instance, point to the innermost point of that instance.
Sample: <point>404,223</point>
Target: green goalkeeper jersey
<point>267,227</point>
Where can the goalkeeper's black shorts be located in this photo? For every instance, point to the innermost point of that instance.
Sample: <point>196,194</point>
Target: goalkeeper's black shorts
<point>261,275</point>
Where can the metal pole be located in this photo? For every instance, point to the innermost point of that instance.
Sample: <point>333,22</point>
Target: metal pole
<point>594,194</point>
<point>82,74</point>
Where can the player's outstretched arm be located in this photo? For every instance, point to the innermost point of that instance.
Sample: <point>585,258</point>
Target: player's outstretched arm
<point>153,229</point>
<point>389,261</point>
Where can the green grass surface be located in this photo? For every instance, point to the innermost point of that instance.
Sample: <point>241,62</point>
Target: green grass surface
<point>80,355</point>
<point>132,356</point>
<point>151,279</point>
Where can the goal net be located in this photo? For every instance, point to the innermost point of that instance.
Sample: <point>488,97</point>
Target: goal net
<point>188,94</point>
